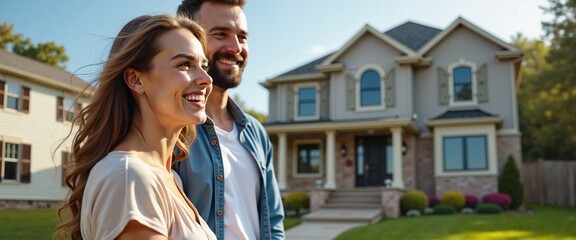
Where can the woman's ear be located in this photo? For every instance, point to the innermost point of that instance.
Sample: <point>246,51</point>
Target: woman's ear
<point>132,80</point>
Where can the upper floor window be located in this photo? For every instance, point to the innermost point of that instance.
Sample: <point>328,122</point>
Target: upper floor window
<point>370,89</point>
<point>465,153</point>
<point>14,96</point>
<point>307,102</point>
<point>67,109</point>
<point>462,85</point>
<point>14,162</point>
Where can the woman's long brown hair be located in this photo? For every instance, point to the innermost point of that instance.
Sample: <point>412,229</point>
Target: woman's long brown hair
<point>104,123</point>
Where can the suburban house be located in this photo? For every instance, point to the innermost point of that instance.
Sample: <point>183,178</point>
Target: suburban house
<point>414,107</point>
<point>37,107</point>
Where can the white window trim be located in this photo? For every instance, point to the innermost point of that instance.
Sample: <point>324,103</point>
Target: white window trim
<point>13,140</point>
<point>361,70</point>
<point>7,93</point>
<point>487,130</point>
<point>316,116</point>
<point>473,67</point>
<point>295,159</point>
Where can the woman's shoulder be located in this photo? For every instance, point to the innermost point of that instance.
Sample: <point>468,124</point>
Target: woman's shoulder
<point>120,165</point>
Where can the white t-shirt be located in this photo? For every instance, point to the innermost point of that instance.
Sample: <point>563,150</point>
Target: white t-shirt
<point>241,188</point>
<point>121,188</point>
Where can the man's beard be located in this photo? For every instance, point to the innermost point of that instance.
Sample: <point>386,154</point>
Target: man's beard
<point>224,78</point>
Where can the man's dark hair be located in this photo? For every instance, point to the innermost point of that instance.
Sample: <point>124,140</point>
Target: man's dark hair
<point>190,8</point>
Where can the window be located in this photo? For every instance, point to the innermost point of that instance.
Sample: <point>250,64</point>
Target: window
<point>14,96</point>
<point>462,87</point>
<point>14,162</point>
<point>307,104</point>
<point>67,109</point>
<point>465,153</point>
<point>370,89</point>
<point>308,159</point>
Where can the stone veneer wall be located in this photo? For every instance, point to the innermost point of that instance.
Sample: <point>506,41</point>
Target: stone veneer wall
<point>472,185</point>
<point>27,204</point>
<point>425,165</point>
<point>509,145</point>
<point>409,162</point>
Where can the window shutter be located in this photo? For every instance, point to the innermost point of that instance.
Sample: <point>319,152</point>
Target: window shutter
<point>78,107</point>
<point>323,100</point>
<point>60,109</point>
<point>350,92</point>
<point>65,156</point>
<point>482,84</point>
<point>2,83</point>
<point>25,163</point>
<point>1,157</point>
<point>443,88</point>
<point>390,91</point>
<point>25,100</point>
<point>290,102</point>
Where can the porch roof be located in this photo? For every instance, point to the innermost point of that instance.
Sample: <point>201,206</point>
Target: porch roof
<point>407,124</point>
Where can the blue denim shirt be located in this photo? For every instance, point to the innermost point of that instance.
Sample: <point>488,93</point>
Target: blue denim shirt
<point>202,175</point>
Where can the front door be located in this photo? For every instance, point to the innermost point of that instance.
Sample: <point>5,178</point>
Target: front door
<point>373,160</point>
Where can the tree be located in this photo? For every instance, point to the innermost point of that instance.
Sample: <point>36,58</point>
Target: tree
<point>509,183</point>
<point>531,108</point>
<point>259,116</point>
<point>557,93</point>
<point>48,52</point>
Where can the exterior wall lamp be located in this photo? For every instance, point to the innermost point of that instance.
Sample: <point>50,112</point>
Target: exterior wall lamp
<point>343,150</point>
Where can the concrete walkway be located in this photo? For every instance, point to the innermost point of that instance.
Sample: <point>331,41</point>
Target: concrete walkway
<point>328,223</point>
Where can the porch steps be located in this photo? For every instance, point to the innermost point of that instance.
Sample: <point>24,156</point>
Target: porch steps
<point>349,206</point>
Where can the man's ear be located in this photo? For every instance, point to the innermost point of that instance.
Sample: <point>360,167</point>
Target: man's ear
<point>132,80</point>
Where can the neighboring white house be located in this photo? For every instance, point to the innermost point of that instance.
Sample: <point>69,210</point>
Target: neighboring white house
<point>414,107</point>
<point>37,105</point>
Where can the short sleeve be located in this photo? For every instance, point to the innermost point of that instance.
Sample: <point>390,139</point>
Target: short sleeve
<point>121,190</point>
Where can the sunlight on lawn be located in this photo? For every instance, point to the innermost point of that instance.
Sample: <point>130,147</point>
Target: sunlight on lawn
<point>500,235</point>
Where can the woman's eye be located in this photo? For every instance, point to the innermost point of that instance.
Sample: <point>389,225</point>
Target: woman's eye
<point>184,66</point>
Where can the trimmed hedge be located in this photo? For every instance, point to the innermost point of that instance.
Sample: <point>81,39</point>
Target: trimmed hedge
<point>456,199</point>
<point>500,199</point>
<point>488,208</point>
<point>297,202</point>
<point>414,199</point>
<point>444,209</point>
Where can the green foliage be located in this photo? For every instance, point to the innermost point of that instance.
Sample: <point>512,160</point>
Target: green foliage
<point>48,52</point>
<point>297,202</point>
<point>414,199</point>
<point>488,208</point>
<point>258,115</point>
<point>548,88</point>
<point>509,183</point>
<point>453,198</point>
<point>443,209</point>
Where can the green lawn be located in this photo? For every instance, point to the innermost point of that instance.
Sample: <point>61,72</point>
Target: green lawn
<point>546,222</point>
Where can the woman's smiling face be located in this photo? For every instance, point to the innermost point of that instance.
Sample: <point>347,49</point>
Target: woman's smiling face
<point>177,86</point>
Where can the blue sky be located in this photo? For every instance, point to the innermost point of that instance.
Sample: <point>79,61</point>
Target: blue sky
<point>283,34</point>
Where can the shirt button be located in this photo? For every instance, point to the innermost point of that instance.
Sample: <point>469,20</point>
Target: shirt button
<point>213,142</point>
<point>219,177</point>
<point>219,213</point>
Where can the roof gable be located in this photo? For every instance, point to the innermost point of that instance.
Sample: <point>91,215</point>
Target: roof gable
<point>369,30</point>
<point>464,23</point>
<point>413,35</point>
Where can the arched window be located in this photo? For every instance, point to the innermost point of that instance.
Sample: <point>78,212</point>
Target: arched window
<point>370,89</point>
<point>462,84</point>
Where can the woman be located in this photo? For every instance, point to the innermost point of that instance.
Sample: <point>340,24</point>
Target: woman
<point>152,89</point>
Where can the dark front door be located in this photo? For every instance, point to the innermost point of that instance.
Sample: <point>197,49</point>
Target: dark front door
<point>373,160</point>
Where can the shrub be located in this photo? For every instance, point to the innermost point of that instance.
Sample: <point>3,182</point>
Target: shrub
<point>456,199</point>
<point>444,209</point>
<point>414,199</point>
<point>297,202</point>
<point>500,199</point>
<point>488,208</point>
<point>509,183</point>
<point>471,201</point>
<point>433,201</point>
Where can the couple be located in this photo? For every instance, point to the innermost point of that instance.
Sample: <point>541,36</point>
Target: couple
<point>154,88</point>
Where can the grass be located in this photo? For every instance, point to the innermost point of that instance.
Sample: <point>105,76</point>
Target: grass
<point>40,224</point>
<point>546,222</point>
<point>27,224</point>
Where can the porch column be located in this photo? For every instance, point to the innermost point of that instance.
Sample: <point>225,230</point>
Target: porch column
<point>282,183</point>
<point>397,180</point>
<point>330,161</point>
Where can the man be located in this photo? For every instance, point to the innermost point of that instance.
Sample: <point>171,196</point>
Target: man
<point>229,175</point>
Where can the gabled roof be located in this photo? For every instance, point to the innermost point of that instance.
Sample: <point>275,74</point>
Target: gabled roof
<point>307,68</point>
<point>369,30</point>
<point>459,114</point>
<point>413,35</point>
<point>462,22</point>
<point>39,72</point>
